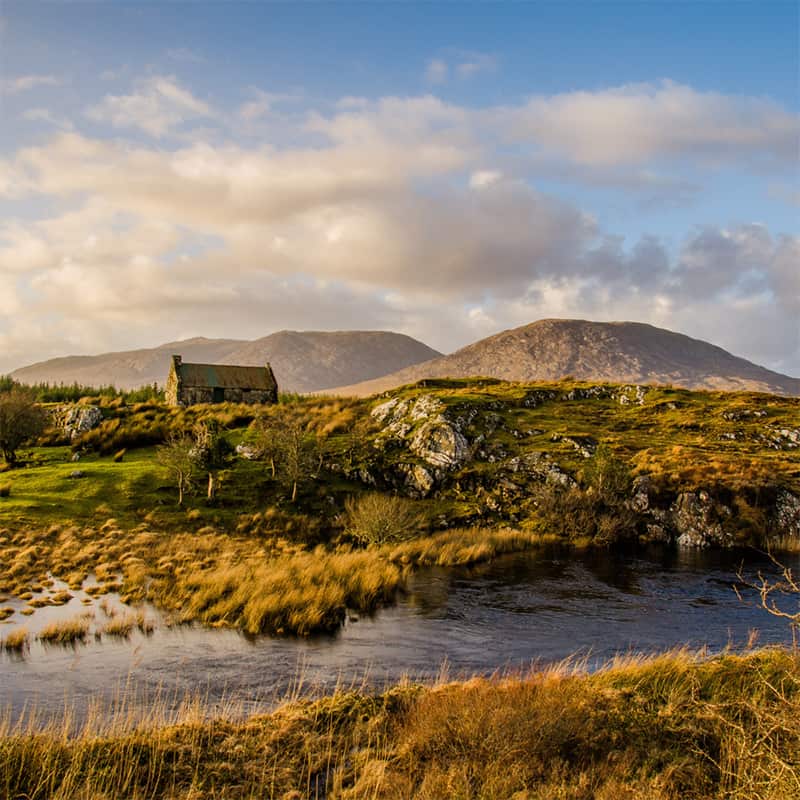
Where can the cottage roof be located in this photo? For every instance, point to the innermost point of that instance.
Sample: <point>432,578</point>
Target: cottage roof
<point>226,376</point>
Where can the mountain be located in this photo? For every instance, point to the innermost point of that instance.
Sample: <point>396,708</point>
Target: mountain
<point>303,361</point>
<point>620,352</point>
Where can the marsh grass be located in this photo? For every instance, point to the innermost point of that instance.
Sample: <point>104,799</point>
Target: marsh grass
<point>67,631</point>
<point>16,641</point>
<point>673,726</point>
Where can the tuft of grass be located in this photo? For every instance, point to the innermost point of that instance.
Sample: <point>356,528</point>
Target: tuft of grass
<point>17,641</point>
<point>66,631</point>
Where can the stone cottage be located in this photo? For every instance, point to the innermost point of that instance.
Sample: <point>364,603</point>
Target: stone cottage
<point>188,384</point>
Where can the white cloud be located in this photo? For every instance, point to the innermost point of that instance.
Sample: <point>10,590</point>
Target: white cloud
<point>463,64</point>
<point>158,106</point>
<point>46,116</point>
<point>641,122</point>
<point>436,71</point>
<point>482,178</point>
<point>399,215</point>
<point>474,64</point>
<point>263,103</point>
<point>25,83</point>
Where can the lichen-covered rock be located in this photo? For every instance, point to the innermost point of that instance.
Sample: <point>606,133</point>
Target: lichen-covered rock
<point>640,502</point>
<point>418,480</point>
<point>787,513</point>
<point>440,444</point>
<point>81,419</point>
<point>697,522</point>
<point>246,451</point>
<point>537,466</point>
<point>631,395</point>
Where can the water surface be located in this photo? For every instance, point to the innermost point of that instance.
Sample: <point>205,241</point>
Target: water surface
<point>509,614</point>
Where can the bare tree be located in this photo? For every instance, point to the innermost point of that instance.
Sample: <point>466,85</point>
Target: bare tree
<point>22,419</point>
<point>177,456</point>
<point>769,589</point>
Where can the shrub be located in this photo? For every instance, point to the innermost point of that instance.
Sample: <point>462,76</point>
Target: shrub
<point>5,490</point>
<point>374,519</point>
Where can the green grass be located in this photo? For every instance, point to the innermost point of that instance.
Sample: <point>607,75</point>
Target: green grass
<point>661,728</point>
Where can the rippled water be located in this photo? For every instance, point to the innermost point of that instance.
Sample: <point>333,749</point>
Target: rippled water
<point>509,614</point>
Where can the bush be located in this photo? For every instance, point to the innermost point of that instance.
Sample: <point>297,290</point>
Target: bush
<point>374,519</point>
<point>5,490</point>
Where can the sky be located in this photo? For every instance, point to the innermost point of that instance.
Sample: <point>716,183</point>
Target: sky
<point>446,170</point>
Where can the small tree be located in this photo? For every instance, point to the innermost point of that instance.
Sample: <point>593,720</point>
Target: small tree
<point>210,451</point>
<point>607,475</point>
<point>21,420</point>
<point>177,456</point>
<point>292,453</point>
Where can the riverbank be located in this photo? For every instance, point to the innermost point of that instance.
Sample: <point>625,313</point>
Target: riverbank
<point>655,728</point>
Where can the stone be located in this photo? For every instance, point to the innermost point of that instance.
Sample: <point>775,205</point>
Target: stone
<point>81,419</point>
<point>696,520</point>
<point>246,451</point>
<point>787,513</point>
<point>77,473</point>
<point>440,444</point>
<point>418,480</point>
<point>640,502</point>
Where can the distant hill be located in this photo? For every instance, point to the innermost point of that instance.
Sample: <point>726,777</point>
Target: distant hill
<point>303,361</point>
<point>625,352</point>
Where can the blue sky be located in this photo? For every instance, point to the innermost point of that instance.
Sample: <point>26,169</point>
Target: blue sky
<point>171,169</point>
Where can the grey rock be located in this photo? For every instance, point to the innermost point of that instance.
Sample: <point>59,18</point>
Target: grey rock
<point>81,419</point>
<point>246,451</point>
<point>77,473</point>
<point>696,521</point>
<point>440,444</point>
<point>418,480</point>
<point>787,513</point>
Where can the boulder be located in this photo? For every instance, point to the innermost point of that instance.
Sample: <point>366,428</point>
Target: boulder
<point>696,520</point>
<point>440,444</point>
<point>81,419</point>
<point>787,513</point>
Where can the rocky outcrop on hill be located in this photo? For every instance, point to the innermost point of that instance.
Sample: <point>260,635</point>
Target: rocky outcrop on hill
<point>79,419</point>
<point>426,447</point>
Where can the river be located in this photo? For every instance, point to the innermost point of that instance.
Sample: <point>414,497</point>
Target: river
<point>510,614</point>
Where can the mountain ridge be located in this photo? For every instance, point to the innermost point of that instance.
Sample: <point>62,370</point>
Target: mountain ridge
<point>303,361</point>
<point>618,352</point>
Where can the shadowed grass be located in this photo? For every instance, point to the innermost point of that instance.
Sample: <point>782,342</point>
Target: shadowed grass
<point>660,728</point>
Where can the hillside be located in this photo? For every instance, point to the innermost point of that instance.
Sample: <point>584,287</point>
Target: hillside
<point>628,352</point>
<point>303,361</point>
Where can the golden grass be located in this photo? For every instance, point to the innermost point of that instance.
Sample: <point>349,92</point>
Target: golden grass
<point>464,546</point>
<point>16,641</point>
<point>65,631</point>
<point>661,728</point>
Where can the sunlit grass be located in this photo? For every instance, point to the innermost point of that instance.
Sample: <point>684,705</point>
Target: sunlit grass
<point>65,631</point>
<point>643,728</point>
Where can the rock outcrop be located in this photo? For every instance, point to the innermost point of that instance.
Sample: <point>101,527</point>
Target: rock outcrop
<point>81,419</point>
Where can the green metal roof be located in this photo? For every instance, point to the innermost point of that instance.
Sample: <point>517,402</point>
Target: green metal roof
<point>227,376</point>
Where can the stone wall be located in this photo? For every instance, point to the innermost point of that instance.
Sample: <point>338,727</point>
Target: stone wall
<point>190,395</point>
